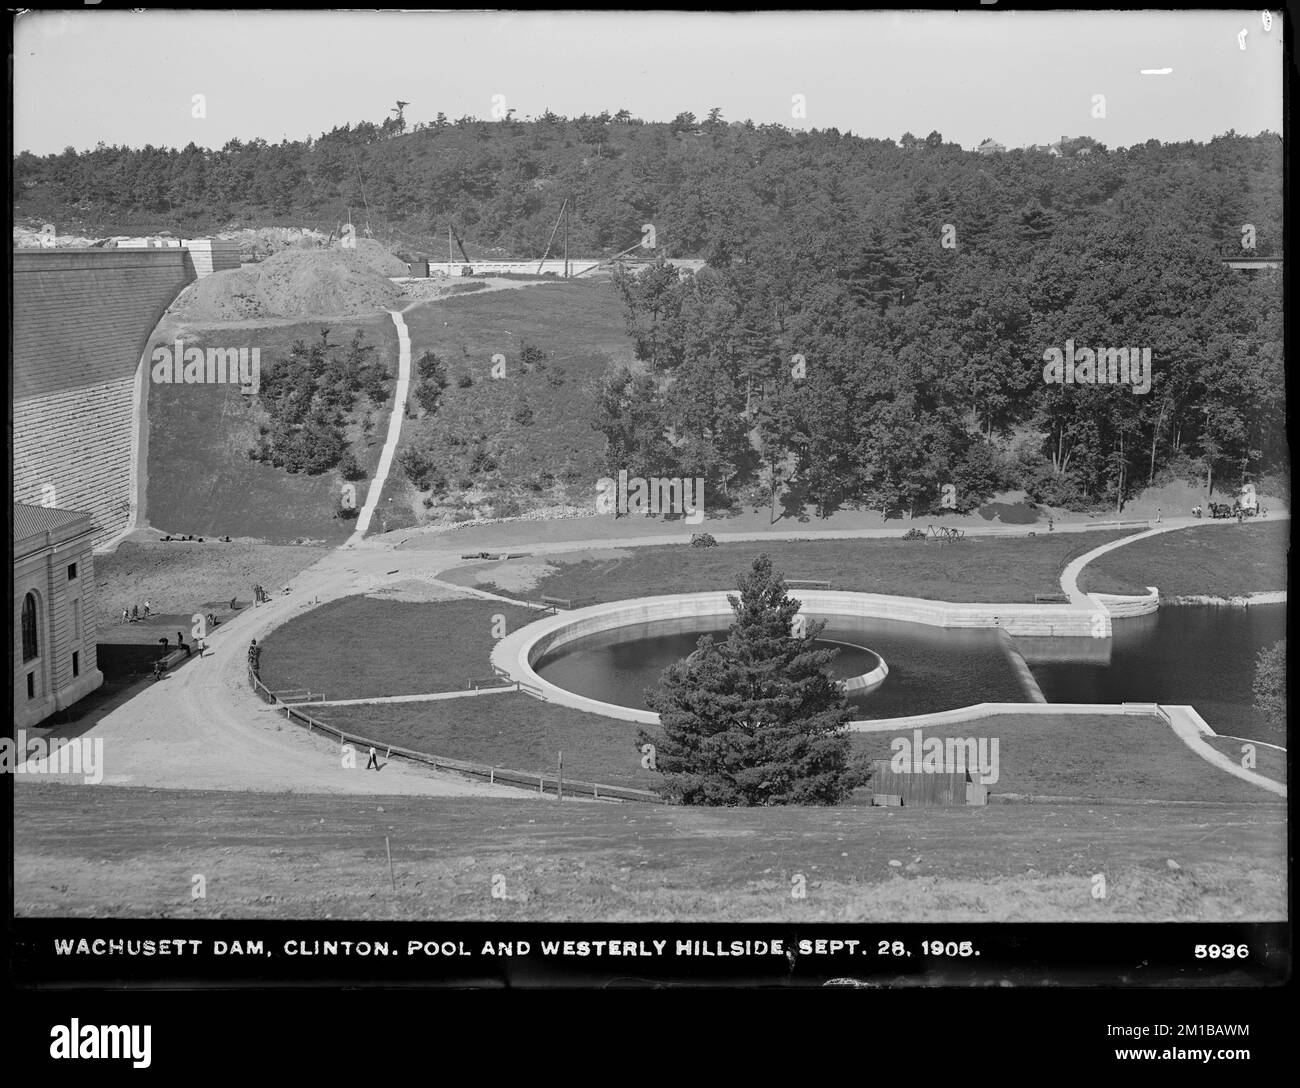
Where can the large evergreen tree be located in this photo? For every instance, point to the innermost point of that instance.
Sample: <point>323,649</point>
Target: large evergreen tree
<point>756,718</point>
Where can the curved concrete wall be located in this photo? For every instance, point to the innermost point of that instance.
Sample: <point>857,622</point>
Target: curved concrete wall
<point>515,654</point>
<point>81,320</point>
<point>1123,607</point>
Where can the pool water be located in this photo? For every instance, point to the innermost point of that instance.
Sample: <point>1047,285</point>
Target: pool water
<point>1201,655</point>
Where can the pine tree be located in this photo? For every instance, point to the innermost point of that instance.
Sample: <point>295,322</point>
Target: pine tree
<point>755,719</point>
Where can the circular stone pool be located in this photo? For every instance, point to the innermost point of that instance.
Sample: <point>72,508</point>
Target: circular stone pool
<point>929,668</point>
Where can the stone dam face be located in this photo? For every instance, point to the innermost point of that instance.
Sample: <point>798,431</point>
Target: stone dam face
<point>81,321</point>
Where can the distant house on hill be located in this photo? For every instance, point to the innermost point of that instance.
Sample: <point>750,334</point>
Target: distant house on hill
<point>54,617</point>
<point>991,147</point>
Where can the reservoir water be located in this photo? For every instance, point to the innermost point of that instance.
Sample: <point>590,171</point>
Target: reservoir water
<point>1201,655</point>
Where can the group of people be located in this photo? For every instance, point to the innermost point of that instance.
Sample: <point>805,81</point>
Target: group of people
<point>160,665</point>
<point>133,615</point>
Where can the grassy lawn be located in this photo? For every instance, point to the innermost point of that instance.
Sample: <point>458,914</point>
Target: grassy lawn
<point>1002,569</point>
<point>200,479</point>
<point>574,318</point>
<point>1220,560</point>
<point>1101,757</point>
<point>129,853</point>
<point>1268,761</point>
<point>513,730</point>
<point>359,647</point>
<point>189,577</point>
<point>478,436</point>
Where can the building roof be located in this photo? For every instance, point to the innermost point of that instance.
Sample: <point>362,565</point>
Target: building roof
<point>31,521</point>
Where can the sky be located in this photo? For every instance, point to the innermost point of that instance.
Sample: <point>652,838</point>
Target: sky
<point>130,78</point>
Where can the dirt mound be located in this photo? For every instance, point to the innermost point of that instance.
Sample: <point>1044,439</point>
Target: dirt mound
<point>233,295</point>
<point>330,281</point>
<point>299,282</point>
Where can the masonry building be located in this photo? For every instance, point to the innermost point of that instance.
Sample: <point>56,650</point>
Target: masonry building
<point>54,615</point>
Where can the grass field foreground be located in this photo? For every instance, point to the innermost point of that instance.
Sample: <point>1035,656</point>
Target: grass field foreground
<point>129,853</point>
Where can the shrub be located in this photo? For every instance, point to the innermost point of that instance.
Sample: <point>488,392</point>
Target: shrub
<point>1270,682</point>
<point>350,468</point>
<point>417,465</point>
<point>703,540</point>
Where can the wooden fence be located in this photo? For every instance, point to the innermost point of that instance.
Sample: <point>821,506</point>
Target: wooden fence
<point>527,779</point>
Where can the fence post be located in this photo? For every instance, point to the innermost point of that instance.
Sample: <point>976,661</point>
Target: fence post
<point>559,777</point>
<point>492,776</point>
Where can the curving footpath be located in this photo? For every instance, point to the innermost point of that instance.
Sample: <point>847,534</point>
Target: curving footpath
<point>387,454</point>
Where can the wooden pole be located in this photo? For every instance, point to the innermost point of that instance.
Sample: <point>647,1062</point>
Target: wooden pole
<point>391,879</point>
<point>559,778</point>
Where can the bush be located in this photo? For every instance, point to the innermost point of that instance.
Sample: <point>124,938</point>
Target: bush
<point>703,540</point>
<point>417,465</point>
<point>350,468</point>
<point>914,534</point>
<point>1270,682</point>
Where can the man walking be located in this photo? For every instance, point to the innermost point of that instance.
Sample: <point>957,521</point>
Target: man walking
<point>374,759</point>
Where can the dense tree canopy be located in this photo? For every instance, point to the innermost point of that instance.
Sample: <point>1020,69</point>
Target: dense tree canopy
<point>872,323</point>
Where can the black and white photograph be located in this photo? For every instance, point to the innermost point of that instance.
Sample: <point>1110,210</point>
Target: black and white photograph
<point>576,498</point>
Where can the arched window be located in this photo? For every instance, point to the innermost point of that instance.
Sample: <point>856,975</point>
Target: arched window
<point>31,647</point>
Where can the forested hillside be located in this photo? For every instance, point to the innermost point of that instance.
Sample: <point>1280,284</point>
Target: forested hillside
<point>873,323</point>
